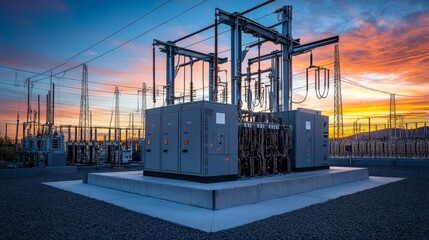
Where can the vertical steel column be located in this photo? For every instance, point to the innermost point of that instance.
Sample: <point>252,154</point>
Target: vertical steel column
<point>276,83</point>
<point>191,84</point>
<point>153,77</point>
<point>369,128</point>
<point>286,12</point>
<point>215,65</point>
<point>28,101</point>
<point>236,63</point>
<point>16,138</point>
<point>90,134</point>
<point>170,75</point>
<point>211,73</point>
<point>75,134</point>
<point>38,113</point>
<point>53,108</point>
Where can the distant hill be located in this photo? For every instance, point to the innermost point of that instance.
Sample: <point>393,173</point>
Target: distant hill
<point>400,133</point>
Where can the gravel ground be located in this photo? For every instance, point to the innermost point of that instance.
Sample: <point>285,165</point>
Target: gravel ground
<point>31,210</point>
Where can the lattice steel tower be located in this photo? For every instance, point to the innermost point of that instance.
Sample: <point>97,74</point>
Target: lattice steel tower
<point>117,107</point>
<point>338,100</point>
<point>392,116</point>
<point>84,104</point>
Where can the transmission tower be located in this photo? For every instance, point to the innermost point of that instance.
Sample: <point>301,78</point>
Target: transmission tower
<point>392,116</point>
<point>84,104</point>
<point>116,107</point>
<point>338,100</point>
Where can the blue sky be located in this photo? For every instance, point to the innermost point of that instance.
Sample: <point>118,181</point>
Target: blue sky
<point>382,44</point>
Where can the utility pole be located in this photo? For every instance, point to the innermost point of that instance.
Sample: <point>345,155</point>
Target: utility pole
<point>143,109</point>
<point>117,108</point>
<point>16,140</point>
<point>29,85</point>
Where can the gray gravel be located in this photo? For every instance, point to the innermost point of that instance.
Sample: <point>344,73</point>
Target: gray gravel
<point>30,210</point>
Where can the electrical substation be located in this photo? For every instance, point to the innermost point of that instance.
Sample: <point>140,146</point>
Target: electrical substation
<point>208,141</point>
<point>220,154</point>
<point>233,124</point>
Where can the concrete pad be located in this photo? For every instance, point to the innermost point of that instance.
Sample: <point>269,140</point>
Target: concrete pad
<point>216,220</point>
<point>227,194</point>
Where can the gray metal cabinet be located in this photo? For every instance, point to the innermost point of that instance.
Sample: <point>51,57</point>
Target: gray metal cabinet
<point>169,143</point>
<point>310,132</point>
<point>153,140</point>
<point>197,140</point>
<point>191,146</point>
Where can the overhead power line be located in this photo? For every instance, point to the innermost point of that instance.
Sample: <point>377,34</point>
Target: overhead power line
<point>126,42</point>
<point>104,39</point>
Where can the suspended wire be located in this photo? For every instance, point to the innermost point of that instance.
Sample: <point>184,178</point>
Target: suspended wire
<point>104,39</point>
<point>351,82</point>
<point>132,39</point>
<point>68,78</point>
<point>319,94</point>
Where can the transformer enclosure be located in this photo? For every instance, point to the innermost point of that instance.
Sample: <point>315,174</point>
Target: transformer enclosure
<point>194,141</point>
<point>310,143</point>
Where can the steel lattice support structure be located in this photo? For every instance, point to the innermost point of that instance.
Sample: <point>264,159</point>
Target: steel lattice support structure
<point>338,100</point>
<point>392,116</point>
<point>84,104</point>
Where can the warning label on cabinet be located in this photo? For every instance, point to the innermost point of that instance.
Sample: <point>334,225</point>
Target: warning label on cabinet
<point>220,118</point>
<point>307,125</point>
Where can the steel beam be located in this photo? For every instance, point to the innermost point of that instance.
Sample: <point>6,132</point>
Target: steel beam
<point>309,46</point>
<point>264,57</point>
<point>250,26</point>
<point>297,49</point>
<point>187,52</point>
<point>212,25</point>
<point>256,73</point>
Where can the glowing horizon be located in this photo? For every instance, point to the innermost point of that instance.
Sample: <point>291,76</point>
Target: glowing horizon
<point>381,48</point>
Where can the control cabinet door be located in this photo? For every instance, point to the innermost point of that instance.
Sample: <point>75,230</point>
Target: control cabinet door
<point>216,128</point>
<point>153,140</point>
<point>169,142</point>
<point>321,150</point>
<point>191,142</point>
<point>304,140</point>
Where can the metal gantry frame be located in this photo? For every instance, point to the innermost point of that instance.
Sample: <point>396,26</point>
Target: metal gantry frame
<point>240,24</point>
<point>289,47</point>
<point>171,50</point>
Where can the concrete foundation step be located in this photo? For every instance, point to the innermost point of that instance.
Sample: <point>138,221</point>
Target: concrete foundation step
<point>223,195</point>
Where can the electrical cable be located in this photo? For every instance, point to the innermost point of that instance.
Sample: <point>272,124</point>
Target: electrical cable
<point>130,40</point>
<point>104,39</point>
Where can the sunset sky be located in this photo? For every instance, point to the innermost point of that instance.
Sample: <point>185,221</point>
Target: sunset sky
<point>384,49</point>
